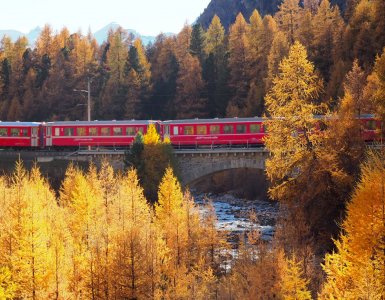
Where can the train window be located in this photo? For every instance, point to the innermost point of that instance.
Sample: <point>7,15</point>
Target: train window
<point>201,129</point>
<point>241,128</point>
<point>24,132</point>
<point>188,130</point>
<point>57,131</point>
<point>69,131</point>
<point>130,131</point>
<point>81,131</point>
<point>214,129</point>
<point>15,131</point>
<point>92,131</point>
<point>35,131</point>
<point>139,129</point>
<point>228,129</point>
<point>176,132</point>
<point>105,131</point>
<point>3,132</point>
<point>117,131</point>
<point>371,125</point>
<point>49,131</point>
<point>255,128</point>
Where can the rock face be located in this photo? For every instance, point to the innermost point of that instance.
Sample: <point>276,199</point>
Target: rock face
<point>227,10</point>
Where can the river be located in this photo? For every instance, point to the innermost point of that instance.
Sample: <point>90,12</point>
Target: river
<point>233,213</point>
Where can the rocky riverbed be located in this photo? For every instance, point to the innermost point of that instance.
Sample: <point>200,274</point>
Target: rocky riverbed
<point>233,213</point>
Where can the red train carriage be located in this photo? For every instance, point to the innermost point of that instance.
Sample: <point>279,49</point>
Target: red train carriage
<point>214,132</point>
<point>371,128</point>
<point>20,134</point>
<point>94,133</point>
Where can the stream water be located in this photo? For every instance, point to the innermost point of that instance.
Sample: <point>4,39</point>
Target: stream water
<point>233,213</point>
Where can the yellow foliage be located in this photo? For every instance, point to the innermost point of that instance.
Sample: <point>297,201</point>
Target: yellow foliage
<point>215,36</point>
<point>132,227</point>
<point>67,185</point>
<point>290,103</point>
<point>25,239</point>
<point>288,17</point>
<point>166,140</point>
<point>46,44</point>
<point>117,53</point>
<point>152,136</point>
<point>169,209</point>
<point>145,74</point>
<point>7,286</point>
<point>375,89</point>
<point>357,269</point>
<point>292,284</point>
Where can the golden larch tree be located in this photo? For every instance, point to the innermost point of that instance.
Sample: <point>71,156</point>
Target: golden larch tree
<point>171,218</point>
<point>132,223</point>
<point>292,285</point>
<point>291,106</point>
<point>357,269</point>
<point>239,79</point>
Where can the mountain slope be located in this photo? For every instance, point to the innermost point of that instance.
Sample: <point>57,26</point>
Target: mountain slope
<point>100,35</point>
<point>227,10</point>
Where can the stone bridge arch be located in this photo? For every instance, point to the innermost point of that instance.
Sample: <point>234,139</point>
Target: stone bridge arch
<point>196,164</point>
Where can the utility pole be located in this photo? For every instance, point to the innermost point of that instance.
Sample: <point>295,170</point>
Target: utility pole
<point>89,100</point>
<point>88,91</point>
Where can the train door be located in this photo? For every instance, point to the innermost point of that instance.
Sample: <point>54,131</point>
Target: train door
<point>166,131</point>
<point>158,128</point>
<point>34,136</point>
<point>48,135</point>
<point>176,131</point>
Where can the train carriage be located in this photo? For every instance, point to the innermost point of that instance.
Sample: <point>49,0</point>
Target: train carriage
<point>93,134</point>
<point>371,128</point>
<point>20,134</point>
<point>215,132</point>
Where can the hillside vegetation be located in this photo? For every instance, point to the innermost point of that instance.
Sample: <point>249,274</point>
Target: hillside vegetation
<point>197,73</point>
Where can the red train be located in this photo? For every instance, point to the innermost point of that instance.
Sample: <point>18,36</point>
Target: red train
<point>182,133</point>
<point>20,134</point>
<point>214,132</point>
<point>94,134</point>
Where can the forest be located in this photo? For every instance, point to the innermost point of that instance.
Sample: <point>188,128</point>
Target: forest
<point>196,73</point>
<point>138,234</point>
<point>99,238</point>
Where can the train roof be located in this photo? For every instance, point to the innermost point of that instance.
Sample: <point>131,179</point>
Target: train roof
<point>19,124</point>
<point>101,123</point>
<point>216,120</point>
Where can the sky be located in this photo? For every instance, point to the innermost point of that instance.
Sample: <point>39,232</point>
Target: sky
<point>148,17</point>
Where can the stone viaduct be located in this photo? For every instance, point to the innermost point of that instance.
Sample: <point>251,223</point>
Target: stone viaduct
<point>193,163</point>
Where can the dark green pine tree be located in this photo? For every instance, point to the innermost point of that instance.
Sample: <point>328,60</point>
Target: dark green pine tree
<point>133,60</point>
<point>197,42</point>
<point>215,69</point>
<point>99,81</point>
<point>5,77</point>
<point>43,70</point>
<point>27,61</point>
<point>164,75</point>
<point>216,76</point>
<point>133,156</point>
